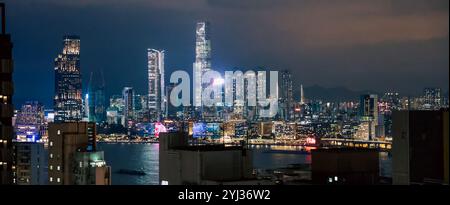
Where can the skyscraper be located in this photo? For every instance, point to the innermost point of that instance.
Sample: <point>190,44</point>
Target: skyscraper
<point>432,98</point>
<point>6,107</point>
<point>302,95</point>
<point>202,64</point>
<point>95,99</point>
<point>287,95</point>
<point>156,92</point>
<point>30,122</point>
<point>128,100</point>
<point>368,112</point>
<point>68,93</point>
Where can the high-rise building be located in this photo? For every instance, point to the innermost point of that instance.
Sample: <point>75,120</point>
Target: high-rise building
<point>156,91</point>
<point>368,112</point>
<point>95,108</point>
<point>302,95</point>
<point>72,148</point>
<point>432,98</point>
<point>68,93</point>
<point>202,65</point>
<point>420,147</point>
<point>31,162</point>
<point>30,122</point>
<point>128,101</point>
<point>287,95</point>
<point>91,168</point>
<point>6,107</point>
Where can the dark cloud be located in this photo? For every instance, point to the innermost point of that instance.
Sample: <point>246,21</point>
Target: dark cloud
<point>360,44</point>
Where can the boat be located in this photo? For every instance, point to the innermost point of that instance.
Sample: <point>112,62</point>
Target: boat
<point>132,172</point>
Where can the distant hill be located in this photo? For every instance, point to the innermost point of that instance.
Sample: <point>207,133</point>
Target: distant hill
<point>331,94</point>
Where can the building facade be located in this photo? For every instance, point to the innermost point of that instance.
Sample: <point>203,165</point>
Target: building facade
<point>66,141</point>
<point>6,107</point>
<point>68,91</point>
<point>156,91</point>
<point>420,147</point>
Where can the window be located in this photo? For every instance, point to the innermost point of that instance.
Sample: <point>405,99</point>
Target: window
<point>58,168</point>
<point>51,167</point>
<point>51,179</point>
<point>51,156</point>
<point>58,180</point>
<point>51,143</point>
<point>59,132</point>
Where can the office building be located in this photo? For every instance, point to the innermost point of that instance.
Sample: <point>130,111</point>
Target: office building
<point>95,108</point>
<point>202,65</point>
<point>31,163</point>
<point>6,107</point>
<point>156,91</point>
<point>68,93</point>
<point>30,122</point>
<point>128,102</point>
<point>420,147</point>
<point>368,112</point>
<point>287,96</point>
<point>432,98</point>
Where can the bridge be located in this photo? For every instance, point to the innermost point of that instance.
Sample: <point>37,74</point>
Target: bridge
<point>335,142</point>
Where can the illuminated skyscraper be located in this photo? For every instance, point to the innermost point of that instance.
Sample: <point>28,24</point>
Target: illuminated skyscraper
<point>432,98</point>
<point>30,122</point>
<point>156,92</point>
<point>68,99</point>
<point>368,112</point>
<point>6,107</point>
<point>202,63</point>
<point>95,108</point>
<point>287,95</point>
<point>302,95</point>
<point>128,101</point>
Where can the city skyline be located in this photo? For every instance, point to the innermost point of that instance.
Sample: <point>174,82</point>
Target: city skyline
<point>222,119</point>
<point>236,45</point>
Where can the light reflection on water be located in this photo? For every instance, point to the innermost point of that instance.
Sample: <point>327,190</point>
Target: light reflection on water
<point>146,157</point>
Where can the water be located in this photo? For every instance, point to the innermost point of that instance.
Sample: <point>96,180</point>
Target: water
<point>132,156</point>
<point>146,157</point>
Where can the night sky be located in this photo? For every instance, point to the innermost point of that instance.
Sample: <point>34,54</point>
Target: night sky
<point>359,44</point>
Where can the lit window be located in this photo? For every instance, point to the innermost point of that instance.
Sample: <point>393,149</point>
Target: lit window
<point>58,168</point>
<point>51,167</point>
<point>164,182</point>
<point>51,179</point>
<point>51,143</point>
<point>58,180</point>
<point>51,156</point>
<point>59,132</point>
<point>81,164</point>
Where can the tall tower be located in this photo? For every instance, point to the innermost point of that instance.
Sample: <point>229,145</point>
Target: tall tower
<point>128,101</point>
<point>202,62</point>
<point>156,91</point>
<point>287,96</point>
<point>6,107</point>
<point>68,99</point>
<point>302,95</point>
